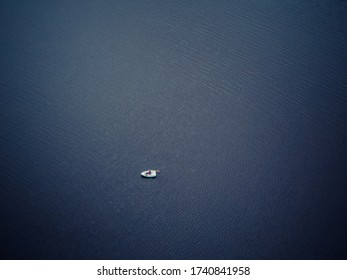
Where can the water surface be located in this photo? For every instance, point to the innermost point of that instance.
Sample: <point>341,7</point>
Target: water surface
<point>241,104</point>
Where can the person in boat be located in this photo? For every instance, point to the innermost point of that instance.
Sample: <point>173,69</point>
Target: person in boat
<point>149,172</point>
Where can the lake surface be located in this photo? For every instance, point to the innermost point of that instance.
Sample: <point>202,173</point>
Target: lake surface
<point>240,104</point>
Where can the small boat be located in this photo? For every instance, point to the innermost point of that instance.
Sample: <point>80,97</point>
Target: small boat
<point>150,173</point>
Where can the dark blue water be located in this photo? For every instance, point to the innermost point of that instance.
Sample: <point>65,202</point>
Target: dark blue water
<point>241,104</point>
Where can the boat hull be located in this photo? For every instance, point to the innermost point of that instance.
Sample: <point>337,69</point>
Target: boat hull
<point>146,175</point>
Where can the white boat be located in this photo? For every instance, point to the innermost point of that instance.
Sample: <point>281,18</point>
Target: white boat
<point>150,173</point>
